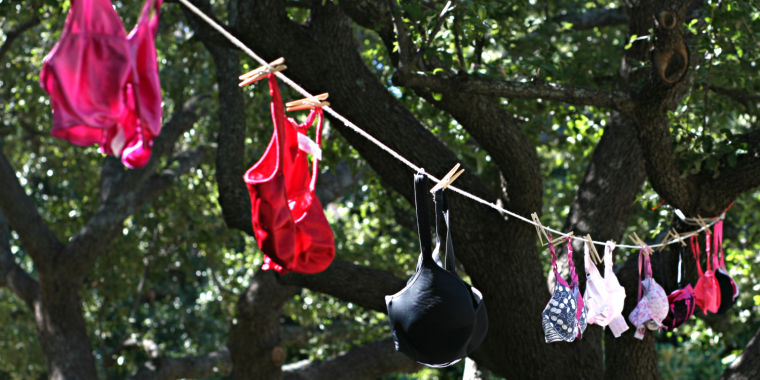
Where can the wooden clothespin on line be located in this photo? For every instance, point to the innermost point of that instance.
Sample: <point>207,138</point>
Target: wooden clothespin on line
<point>448,179</point>
<point>592,248</point>
<point>678,237</point>
<point>561,238</point>
<point>261,72</point>
<point>539,229</point>
<point>664,241</point>
<point>308,103</point>
<point>702,223</point>
<point>637,240</point>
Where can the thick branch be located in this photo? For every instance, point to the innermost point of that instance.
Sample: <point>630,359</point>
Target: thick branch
<point>12,35</point>
<point>520,90</point>
<point>339,330</point>
<point>597,18</point>
<point>115,180</point>
<point>363,286</point>
<point>366,362</point>
<point>745,98</point>
<point>87,244</point>
<point>217,363</point>
<point>36,238</point>
<point>255,343</point>
<point>11,274</point>
<point>230,158</point>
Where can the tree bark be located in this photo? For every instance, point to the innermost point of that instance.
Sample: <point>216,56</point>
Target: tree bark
<point>213,363</point>
<point>255,343</point>
<point>360,363</point>
<point>747,365</point>
<point>62,330</point>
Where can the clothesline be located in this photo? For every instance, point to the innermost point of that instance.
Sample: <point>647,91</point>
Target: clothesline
<point>235,41</point>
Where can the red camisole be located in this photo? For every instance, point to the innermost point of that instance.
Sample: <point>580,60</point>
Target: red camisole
<point>103,84</point>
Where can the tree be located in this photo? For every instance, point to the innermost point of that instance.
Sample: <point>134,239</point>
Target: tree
<point>624,95</point>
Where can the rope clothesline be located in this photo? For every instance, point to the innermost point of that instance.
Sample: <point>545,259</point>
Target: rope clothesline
<point>235,41</point>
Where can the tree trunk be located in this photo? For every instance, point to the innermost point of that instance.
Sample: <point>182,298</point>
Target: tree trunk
<point>255,345</point>
<point>747,365</point>
<point>61,329</point>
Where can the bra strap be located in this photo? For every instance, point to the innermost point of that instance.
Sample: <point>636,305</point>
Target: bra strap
<point>554,262</point>
<point>278,115</point>
<point>694,242</point>
<point>573,274</point>
<point>150,14</point>
<point>640,255</point>
<point>314,160</point>
<point>681,271</point>
<point>647,262</point>
<point>718,244</point>
<point>423,212</point>
<point>710,264</point>
<point>448,261</point>
<point>609,246</point>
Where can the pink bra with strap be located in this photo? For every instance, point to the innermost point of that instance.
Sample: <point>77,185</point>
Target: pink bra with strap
<point>604,296</point>
<point>652,307</point>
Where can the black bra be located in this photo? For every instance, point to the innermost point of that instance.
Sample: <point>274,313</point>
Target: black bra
<point>437,319</point>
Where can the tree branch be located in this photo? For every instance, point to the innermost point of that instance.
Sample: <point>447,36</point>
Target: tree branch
<point>217,363</point>
<point>365,362</point>
<point>741,96</point>
<point>230,155</point>
<point>597,18</point>
<point>337,330</point>
<point>405,43</point>
<point>361,285</point>
<point>12,35</point>
<point>520,90</point>
<point>87,244</point>
<point>255,343</point>
<point>11,274</point>
<point>36,238</point>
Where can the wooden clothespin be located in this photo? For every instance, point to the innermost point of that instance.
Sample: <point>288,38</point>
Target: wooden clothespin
<point>260,72</point>
<point>308,103</point>
<point>678,236</point>
<point>592,248</point>
<point>562,238</point>
<point>701,222</point>
<point>539,229</point>
<point>664,241</point>
<point>637,240</point>
<point>448,179</point>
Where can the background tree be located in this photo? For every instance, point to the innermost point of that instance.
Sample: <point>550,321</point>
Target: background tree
<point>586,112</point>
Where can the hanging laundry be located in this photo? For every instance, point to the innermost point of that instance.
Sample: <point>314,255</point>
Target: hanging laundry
<point>287,217</point>
<point>652,305</point>
<point>437,319</point>
<point>604,297</point>
<point>103,84</point>
<point>564,317</point>
<point>682,302</point>
<point>729,292</point>
<point>707,288</point>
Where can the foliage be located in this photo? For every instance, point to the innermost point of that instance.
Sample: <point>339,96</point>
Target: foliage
<point>189,267</point>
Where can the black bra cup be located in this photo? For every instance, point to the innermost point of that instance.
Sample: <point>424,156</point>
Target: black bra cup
<point>437,319</point>
<point>725,283</point>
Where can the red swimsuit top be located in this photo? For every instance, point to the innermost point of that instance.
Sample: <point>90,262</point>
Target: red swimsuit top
<point>103,84</point>
<point>288,221</point>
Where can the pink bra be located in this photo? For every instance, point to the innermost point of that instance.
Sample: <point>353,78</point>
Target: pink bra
<point>604,296</point>
<point>653,303</point>
<point>103,84</point>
